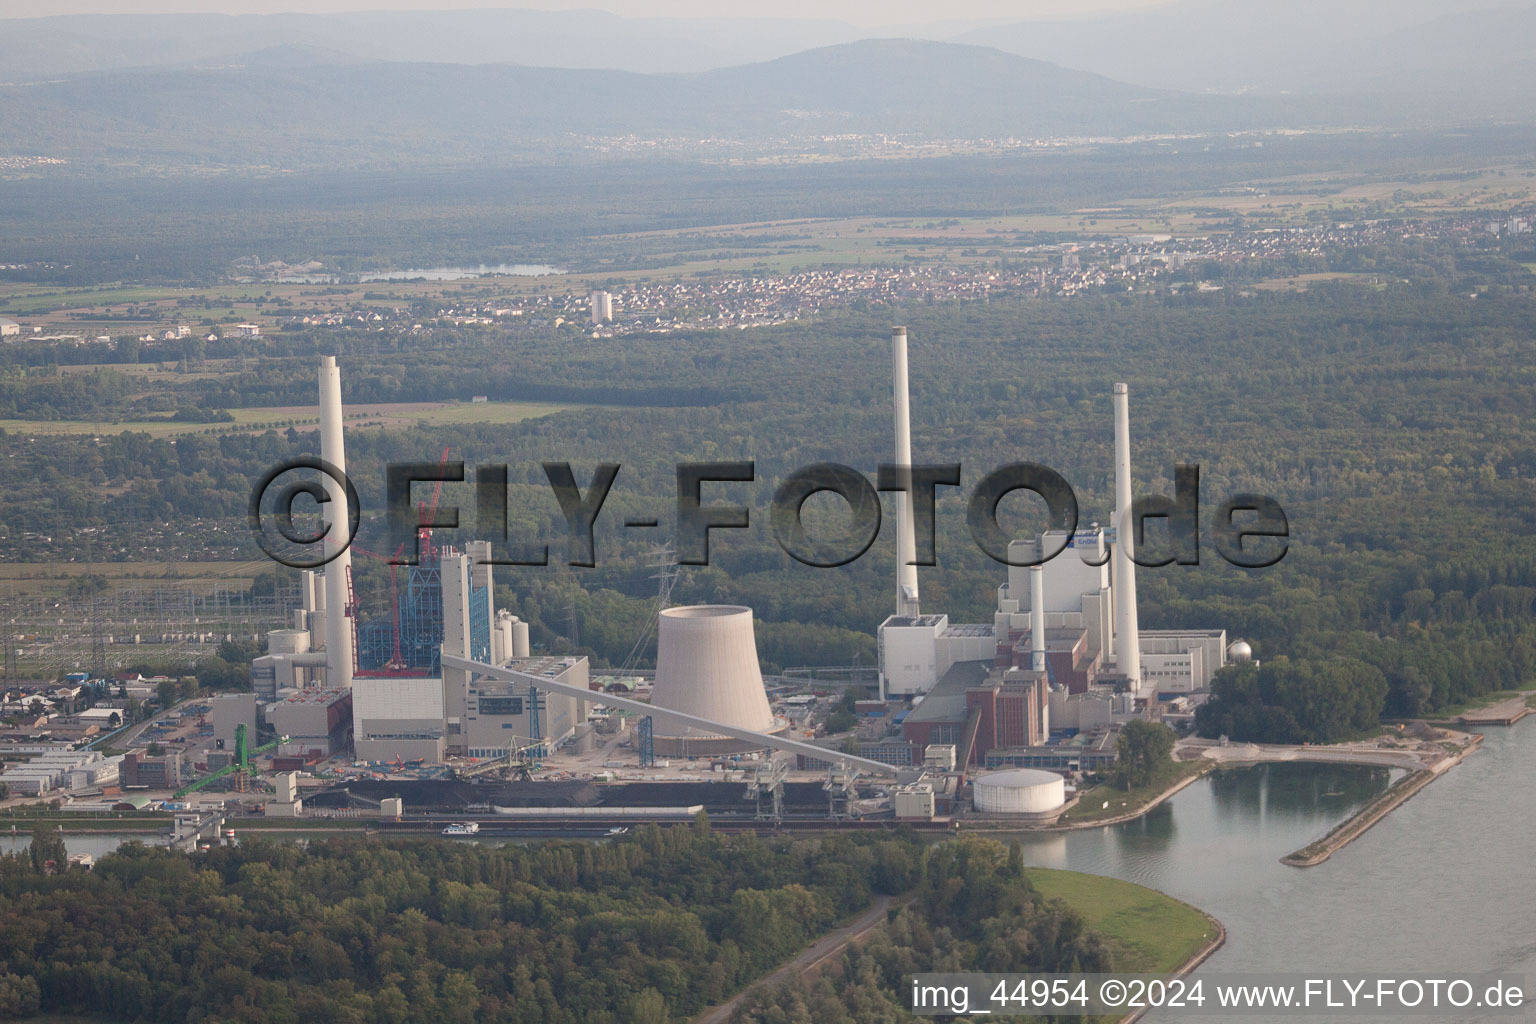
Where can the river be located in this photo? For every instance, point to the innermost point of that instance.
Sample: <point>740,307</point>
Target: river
<point>1441,884</point>
<point>429,274</point>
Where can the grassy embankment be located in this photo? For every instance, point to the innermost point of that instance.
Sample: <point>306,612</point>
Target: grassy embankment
<point>1104,802</point>
<point>1148,931</point>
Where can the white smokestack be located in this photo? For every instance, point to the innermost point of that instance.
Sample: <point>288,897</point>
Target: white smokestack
<point>1127,631</point>
<point>1037,618</point>
<point>906,537</point>
<point>338,623</point>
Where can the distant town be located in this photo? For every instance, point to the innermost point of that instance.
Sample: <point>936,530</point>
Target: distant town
<point>990,268</point>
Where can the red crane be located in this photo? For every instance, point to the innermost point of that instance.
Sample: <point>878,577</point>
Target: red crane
<point>425,515</point>
<point>396,659</point>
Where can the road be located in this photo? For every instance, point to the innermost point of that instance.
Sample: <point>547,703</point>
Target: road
<point>828,945</point>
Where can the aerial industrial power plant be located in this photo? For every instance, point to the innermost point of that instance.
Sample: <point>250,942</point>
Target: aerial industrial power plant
<point>462,556</point>
<point>442,709</point>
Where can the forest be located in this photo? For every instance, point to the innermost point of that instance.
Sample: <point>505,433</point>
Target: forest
<point>642,930</point>
<point>975,911</point>
<point>1391,422</point>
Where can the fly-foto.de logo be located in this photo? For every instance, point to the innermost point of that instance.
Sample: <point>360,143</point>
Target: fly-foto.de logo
<point>1250,531</point>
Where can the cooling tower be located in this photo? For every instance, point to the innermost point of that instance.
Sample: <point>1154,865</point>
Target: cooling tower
<point>706,665</point>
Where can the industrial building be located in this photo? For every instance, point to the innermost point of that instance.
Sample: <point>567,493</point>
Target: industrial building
<point>317,722</point>
<point>332,683</point>
<point>501,714</point>
<point>229,711</point>
<point>141,771</point>
<point>61,769</point>
<point>1018,792</point>
<point>1088,635</point>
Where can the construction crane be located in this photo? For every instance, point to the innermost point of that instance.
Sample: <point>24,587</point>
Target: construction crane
<point>516,763</point>
<point>426,515</point>
<point>396,661</point>
<point>241,764</point>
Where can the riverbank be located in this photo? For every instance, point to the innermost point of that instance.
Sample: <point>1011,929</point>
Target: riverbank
<point>148,825</point>
<point>1097,807</point>
<point>1357,824</point>
<point>1148,931</point>
<point>1102,805</point>
<point>1201,955</point>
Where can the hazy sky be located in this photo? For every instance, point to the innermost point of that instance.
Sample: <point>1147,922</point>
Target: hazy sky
<point>862,12</point>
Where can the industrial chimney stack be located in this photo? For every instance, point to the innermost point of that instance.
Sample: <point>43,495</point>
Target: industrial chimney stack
<point>1037,618</point>
<point>906,537</point>
<point>1127,631</point>
<point>338,621</point>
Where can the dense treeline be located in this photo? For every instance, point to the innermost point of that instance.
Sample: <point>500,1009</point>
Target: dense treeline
<point>1282,701</point>
<point>645,929</point>
<point>975,911</point>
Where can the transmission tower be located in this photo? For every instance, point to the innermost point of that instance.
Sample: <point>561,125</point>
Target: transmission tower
<point>664,561</point>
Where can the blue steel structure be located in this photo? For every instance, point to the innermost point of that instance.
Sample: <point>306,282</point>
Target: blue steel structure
<point>421,626</point>
<point>647,743</point>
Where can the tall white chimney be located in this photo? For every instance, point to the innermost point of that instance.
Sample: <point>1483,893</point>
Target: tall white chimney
<point>1037,618</point>
<point>338,623</point>
<point>906,536</point>
<point>1127,631</point>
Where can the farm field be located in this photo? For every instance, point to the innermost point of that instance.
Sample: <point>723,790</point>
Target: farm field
<point>388,414</point>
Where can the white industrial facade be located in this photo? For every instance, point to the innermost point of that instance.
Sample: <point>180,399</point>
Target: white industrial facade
<point>1181,661</point>
<point>499,713</point>
<point>397,718</point>
<point>229,711</point>
<point>1075,586</point>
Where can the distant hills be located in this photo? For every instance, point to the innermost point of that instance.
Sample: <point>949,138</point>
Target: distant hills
<point>304,105</point>
<point>1417,47</point>
<point>1473,48</point>
<point>44,47</point>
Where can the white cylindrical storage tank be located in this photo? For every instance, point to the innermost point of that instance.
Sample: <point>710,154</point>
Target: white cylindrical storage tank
<point>520,648</point>
<point>1019,791</point>
<point>288,641</point>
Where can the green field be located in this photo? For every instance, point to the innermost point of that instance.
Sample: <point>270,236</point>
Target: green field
<point>1149,932</point>
<point>394,414</point>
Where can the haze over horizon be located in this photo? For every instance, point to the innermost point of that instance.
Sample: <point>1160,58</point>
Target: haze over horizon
<point>864,13</point>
